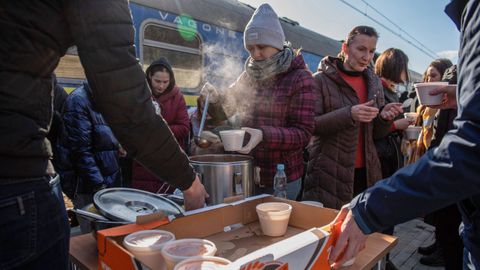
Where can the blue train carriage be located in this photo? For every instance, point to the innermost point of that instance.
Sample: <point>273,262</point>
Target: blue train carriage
<point>203,40</point>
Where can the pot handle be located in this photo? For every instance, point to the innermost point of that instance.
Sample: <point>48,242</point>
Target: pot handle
<point>237,184</point>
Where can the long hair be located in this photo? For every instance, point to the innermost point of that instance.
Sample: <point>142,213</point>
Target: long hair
<point>441,64</point>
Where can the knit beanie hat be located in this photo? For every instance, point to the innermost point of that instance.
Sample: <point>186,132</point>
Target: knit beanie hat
<point>264,28</point>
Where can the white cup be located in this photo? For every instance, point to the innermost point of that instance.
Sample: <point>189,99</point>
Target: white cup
<point>423,90</point>
<point>274,217</point>
<point>232,139</point>
<point>412,132</point>
<point>176,251</point>
<point>147,245</point>
<point>203,262</point>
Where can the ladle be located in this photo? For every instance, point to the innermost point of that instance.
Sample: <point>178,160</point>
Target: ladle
<point>199,141</point>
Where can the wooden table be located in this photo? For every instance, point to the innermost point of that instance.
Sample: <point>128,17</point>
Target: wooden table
<point>83,252</point>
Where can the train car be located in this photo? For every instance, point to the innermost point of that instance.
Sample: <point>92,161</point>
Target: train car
<point>203,40</point>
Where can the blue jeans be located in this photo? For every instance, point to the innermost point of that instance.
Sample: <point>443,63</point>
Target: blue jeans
<point>293,189</point>
<point>34,230</point>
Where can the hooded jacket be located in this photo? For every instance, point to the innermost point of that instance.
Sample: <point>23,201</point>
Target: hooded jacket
<point>35,34</point>
<point>87,148</point>
<point>332,150</point>
<point>173,106</point>
<point>174,111</point>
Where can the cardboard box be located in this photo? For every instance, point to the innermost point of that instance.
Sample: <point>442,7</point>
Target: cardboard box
<point>235,230</point>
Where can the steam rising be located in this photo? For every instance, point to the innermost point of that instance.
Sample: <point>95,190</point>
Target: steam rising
<point>224,71</point>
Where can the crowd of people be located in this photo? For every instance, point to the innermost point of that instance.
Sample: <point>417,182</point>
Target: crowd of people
<point>338,132</point>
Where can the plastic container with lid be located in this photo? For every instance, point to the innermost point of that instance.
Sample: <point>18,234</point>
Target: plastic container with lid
<point>147,245</point>
<point>203,263</point>
<point>176,251</point>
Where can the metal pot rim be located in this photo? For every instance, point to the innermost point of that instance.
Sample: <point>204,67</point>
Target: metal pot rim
<point>221,159</point>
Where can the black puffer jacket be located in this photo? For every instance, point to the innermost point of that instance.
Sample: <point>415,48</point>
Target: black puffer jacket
<point>35,34</point>
<point>87,149</point>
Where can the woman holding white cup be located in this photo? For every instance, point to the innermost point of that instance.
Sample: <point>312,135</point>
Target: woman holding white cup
<point>275,101</point>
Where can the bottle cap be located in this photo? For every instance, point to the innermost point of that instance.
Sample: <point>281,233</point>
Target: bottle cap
<point>280,166</point>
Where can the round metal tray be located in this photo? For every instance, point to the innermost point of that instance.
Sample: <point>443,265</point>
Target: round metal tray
<point>125,204</point>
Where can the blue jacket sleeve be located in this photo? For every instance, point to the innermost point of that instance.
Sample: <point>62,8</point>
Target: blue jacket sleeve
<point>444,175</point>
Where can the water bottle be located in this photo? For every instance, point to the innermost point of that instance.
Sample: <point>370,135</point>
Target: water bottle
<point>280,182</point>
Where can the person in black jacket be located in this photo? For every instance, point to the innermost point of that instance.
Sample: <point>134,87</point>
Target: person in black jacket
<point>35,34</point>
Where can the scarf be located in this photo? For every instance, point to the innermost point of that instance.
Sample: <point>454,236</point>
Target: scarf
<point>268,68</point>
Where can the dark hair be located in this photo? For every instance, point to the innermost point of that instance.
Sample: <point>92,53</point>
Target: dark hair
<point>439,64</point>
<point>390,65</point>
<point>358,30</point>
<point>157,68</point>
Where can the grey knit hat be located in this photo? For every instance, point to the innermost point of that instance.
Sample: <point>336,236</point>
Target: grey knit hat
<point>264,28</point>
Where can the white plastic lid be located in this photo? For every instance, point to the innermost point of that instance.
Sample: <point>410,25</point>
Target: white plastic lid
<point>147,240</point>
<point>189,247</point>
<point>203,263</point>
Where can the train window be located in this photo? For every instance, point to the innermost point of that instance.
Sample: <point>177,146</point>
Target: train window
<point>183,52</point>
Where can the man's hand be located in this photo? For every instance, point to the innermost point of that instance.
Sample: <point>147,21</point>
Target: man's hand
<point>449,97</point>
<point>364,112</point>
<point>350,242</point>
<point>391,110</point>
<point>195,196</point>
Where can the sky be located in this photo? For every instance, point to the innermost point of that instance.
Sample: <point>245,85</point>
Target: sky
<point>424,20</point>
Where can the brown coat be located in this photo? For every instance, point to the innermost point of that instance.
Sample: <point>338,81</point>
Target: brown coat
<point>331,165</point>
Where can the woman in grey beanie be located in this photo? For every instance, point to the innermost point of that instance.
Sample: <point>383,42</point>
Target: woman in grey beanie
<point>274,99</point>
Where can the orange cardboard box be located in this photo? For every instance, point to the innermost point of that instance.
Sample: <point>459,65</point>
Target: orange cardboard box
<point>235,230</point>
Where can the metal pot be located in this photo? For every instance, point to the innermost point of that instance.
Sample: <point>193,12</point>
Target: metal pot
<point>224,175</point>
<point>119,206</point>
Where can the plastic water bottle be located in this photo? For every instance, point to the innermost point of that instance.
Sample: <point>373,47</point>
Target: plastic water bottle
<point>280,182</point>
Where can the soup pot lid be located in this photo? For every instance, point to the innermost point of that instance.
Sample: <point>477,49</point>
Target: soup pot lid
<point>125,204</point>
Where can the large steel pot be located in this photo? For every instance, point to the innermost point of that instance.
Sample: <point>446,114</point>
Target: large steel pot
<point>224,175</point>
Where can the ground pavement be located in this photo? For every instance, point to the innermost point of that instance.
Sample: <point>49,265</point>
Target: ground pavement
<point>412,235</point>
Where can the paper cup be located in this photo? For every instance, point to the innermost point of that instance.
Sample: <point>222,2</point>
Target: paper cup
<point>423,90</point>
<point>412,132</point>
<point>203,263</point>
<point>147,245</point>
<point>232,139</point>
<point>274,217</point>
<point>176,251</point>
